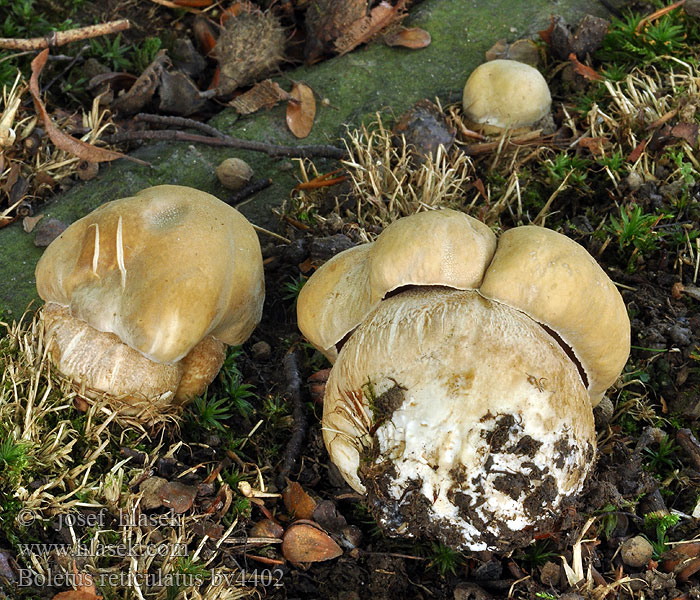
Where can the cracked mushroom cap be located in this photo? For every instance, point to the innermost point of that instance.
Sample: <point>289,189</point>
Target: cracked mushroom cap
<point>439,247</point>
<point>460,417</point>
<point>172,273</point>
<point>506,94</point>
<point>559,284</point>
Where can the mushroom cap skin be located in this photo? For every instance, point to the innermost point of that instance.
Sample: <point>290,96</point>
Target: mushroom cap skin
<point>460,415</point>
<point>439,247</point>
<point>505,94</point>
<point>162,271</point>
<point>559,284</point>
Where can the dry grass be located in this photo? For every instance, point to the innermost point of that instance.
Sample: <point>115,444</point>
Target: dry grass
<point>71,464</point>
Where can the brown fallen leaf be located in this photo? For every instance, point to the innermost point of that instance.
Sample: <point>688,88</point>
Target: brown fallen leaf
<point>301,110</point>
<point>267,528</point>
<point>85,588</point>
<point>29,223</point>
<point>687,132</point>
<point>325,21</point>
<point>637,152</point>
<point>265,94</point>
<point>306,542</point>
<point>545,34</point>
<point>584,70</point>
<point>75,595</point>
<point>413,37</point>
<point>143,89</point>
<point>62,140</point>
<point>177,496</point>
<point>368,26</point>
<point>47,231</point>
<point>593,144</point>
<point>297,501</point>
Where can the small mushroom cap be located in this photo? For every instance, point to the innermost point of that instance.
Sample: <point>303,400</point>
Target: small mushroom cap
<point>463,409</point>
<point>506,94</point>
<point>161,270</point>
<point>439,247</point>
<point>559,284</point>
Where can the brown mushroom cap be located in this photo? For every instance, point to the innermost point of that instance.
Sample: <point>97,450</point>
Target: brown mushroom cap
<point>559,284</point>
<point>506,94</point>
<point>440,247</point>
<point>162,271</point>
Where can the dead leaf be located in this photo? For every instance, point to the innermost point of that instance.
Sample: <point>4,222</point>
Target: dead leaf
<point>584,70</point>
<point>297,501</point>
<point>305,542</point>
<point>637,152</point>
<point>143,89</point>
<point>265,94</point>
<point>85,588</point>
<point>593,144</point>
<point>204,35</point>
<point>150,492</point>
<point>326,21</point>
<point>687,132</point>
<point>179,94</point>
<point>177,496</point>
<point>62,140</point>
<point>545,34</point>
<point>267,528</point>
<point>300,114</point>
<point>365,28</point>
<point>29,223</point>
<point>413,37</point>
<point>47,231</point>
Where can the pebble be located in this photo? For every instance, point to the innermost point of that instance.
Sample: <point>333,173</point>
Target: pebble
<point>261,350</point>
<point>636,551</point>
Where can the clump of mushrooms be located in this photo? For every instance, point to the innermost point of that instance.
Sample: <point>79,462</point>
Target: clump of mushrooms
<point>144,293</point>
<point>465,372</point>
<point>506,94</point>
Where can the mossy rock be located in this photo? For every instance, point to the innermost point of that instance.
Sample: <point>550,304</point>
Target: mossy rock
<point>357,85</point>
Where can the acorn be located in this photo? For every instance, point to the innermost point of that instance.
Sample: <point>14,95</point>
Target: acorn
<point>234,173</point>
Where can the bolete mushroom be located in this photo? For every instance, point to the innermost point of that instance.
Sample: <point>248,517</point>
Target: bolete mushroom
<point>144,293</point>
<point>505,94</point>
<point>465,371</point>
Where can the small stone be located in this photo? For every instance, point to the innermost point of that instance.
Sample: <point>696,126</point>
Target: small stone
<point>150,488</point>
<point>634,181</point>
<point>550,573</point>
<point>261,350</point>
<point>636,551</point>
<point>234,173</point>
<point>603,412</point>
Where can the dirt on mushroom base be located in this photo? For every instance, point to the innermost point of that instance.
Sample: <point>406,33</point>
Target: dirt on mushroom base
<point>413,516</point>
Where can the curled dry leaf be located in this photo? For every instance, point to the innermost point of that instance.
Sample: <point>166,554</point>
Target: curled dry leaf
<point>413,37</point>
<point>62,140</point>
<point>265,94</point>
<point>76,595</point>
<point>297,501</point>
<point>177,496</point>
<point>362,30</point>
<point>305,542</point>
<point>301,110</point>
<point>584,70</point>
<point>267,528</point>
<point>143,89</point>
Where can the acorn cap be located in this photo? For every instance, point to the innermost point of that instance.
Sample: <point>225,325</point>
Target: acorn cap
<point>440,247</point>
<point>559,284</point>
<point>505,94</point>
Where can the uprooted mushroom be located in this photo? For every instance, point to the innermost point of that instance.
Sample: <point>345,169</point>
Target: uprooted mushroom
<point>465,372</point>
<point>143,295</point>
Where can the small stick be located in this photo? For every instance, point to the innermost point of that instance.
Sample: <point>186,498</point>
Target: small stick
<point>255,186</point>
<point>228,142</point>
<point>182,122</point>
<point>293,394</point>
<point>271,234</point>
<point>60,38</point>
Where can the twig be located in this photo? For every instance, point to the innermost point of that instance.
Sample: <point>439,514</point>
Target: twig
<point>271,234</point>
<point>180,122</point>
<point>293,394</point>
<point>70,65</point>
<point>228,142</point>
<point>249,190</point>
<point>687,441</point>
<point>60,38</point>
